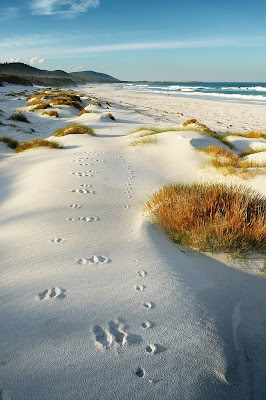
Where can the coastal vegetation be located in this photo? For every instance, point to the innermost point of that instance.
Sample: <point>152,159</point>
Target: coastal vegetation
<point>25,145</point>
<point>211,217</point>
<point>144,141</point>
<point>19,117</point>
<point>73,129</point>
<point>51,113</point>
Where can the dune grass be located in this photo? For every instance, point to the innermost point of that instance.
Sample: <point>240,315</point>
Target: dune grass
<point>231,164</point>
<point>189,126</point>
<point>19,117</point>
<point>212,217</point>
<point>83,111</point>
<point>249,134</point>
<point>247,152</point>
<point>144,142</point>
<point>55,97</point>
<point>73,129</point>
<point>9,142</point>
<point>25,145</point>
<point>217,151</point>
<point>51,113</point>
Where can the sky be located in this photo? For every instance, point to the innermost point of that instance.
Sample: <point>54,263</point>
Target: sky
<point>206,40</point>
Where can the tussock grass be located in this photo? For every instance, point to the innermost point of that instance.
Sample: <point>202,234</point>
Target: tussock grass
<point>212,217</point>
<point>51,113</point>
<point>249,134</point>
<point>217,151</point>
<point>37,143</point>
<point>9,141</point>
<point>247,152</point>
<point>144,142</point>
<point>74,129</point>
<point>232,166</point>
<point>56,98</point>
<point>18,117</point>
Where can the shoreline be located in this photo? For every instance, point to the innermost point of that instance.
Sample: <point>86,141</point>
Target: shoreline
<point>216,113</point>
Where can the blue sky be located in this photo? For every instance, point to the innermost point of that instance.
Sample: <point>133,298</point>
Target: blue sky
<point>146,40</point>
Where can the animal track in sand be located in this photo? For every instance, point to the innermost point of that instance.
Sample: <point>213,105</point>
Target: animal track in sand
<point>94,260</point>
<point>70,219</point>
<point>142,274</point>
<point>55,293</point>
<point>155,348</point>
<point>115,335</point>
<point>81,174</point>
<point>57,240</point>
<point>82,191</point>
<point>85,185</point>
<point>148,305</point>
<point>126,206</point>
<point>75,206</point>
<point>140,372</point>
<point>140,288</point>
<point>88,219</point>
<point>146,325</point>
<point>82,164</point>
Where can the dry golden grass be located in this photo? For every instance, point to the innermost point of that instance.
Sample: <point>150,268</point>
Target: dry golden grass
<point>51,113</point>
<point>144,142</point>
<point>217,151</point>
<point>236,166</point>
<point>250,134</point>
<point>212,217</point>
<point>42,106</point>
<point>74,129</point>
<point>37,143</point>
<point>83,111</point>
<point>247,152</point>
<point>56,98</point>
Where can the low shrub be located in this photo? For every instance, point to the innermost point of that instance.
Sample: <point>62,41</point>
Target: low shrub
<point>19,117</point>
<point>212,217</point>
<point>74,129</point>
<point>37,143</point>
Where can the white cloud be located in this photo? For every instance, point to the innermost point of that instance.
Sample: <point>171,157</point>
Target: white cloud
<point>8,13</point>
<point>35,60</point>
<point>62,8</point>
<point>14,60</point>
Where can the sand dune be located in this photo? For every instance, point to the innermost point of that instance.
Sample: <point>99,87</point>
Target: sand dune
<point>97,302</point>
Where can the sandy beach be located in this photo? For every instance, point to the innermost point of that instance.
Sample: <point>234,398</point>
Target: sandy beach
<point>97,302</point>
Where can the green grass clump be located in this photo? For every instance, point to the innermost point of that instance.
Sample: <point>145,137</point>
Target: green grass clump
<point>19,117</point>
<point>37,143</point>
<point>10,142</point>
<point>212,217</point>
<point>74,129</point>
<point>144,141</point>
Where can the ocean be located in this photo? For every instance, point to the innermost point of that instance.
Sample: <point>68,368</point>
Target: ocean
<point>225,91</point>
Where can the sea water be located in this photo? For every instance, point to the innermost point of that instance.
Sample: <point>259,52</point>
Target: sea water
<point>226,91</point>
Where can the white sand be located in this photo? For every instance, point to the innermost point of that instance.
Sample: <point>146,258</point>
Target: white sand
<point>93,296</point>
